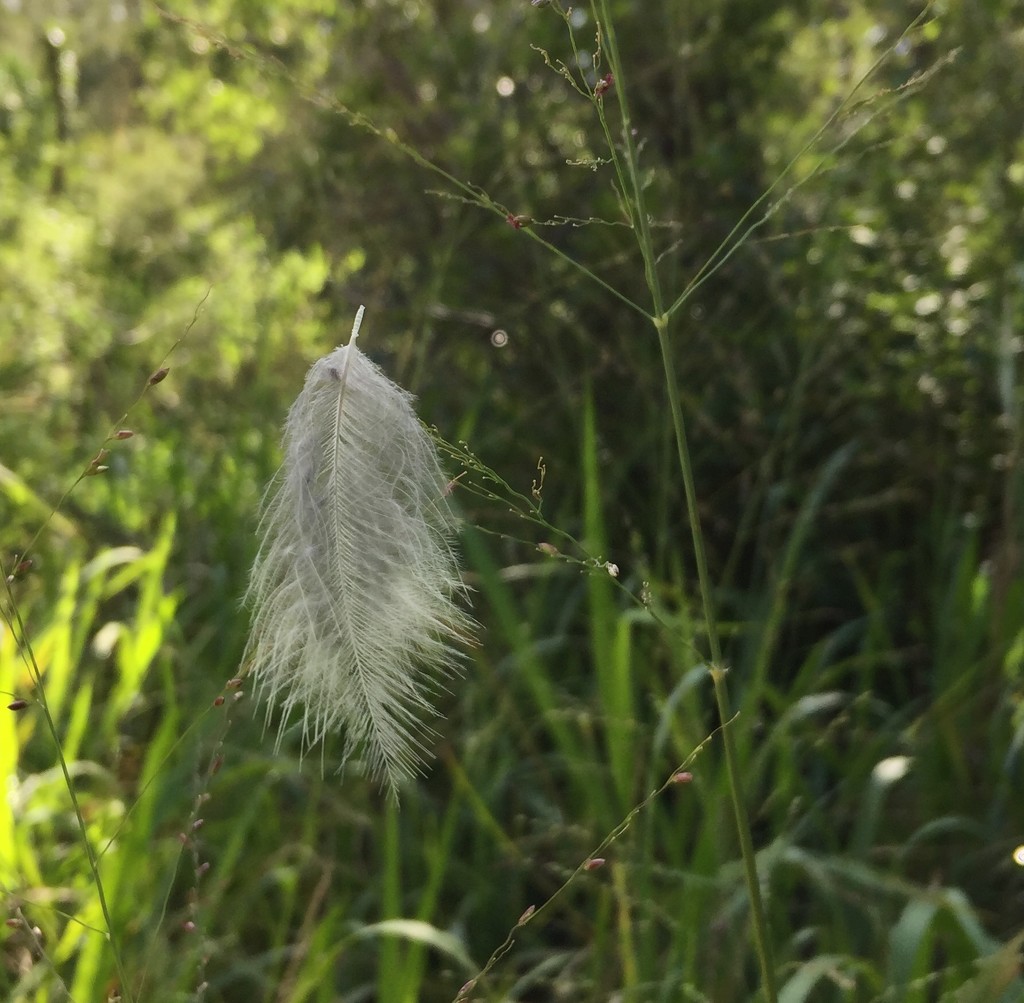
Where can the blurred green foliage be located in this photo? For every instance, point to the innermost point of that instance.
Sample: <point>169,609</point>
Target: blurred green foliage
<point>197,177</point>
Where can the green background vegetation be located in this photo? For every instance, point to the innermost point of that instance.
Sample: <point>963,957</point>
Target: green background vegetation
<point>850,378</point>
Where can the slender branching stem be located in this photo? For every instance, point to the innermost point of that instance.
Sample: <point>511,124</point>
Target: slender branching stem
<point>661,323</point>
<point>12,615</point>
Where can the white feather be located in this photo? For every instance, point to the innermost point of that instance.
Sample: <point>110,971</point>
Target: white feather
<point>355,588</point>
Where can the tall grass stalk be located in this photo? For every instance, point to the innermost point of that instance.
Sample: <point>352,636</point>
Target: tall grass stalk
<point>11,614</point>
<point>633,193</point>
<point>13,619</point>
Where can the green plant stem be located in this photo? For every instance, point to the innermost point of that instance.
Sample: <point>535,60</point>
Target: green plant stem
<point>661,323</point>
<point>12,616</point>
<point>759,920</point>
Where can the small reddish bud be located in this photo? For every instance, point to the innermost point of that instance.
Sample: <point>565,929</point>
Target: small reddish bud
<point>682,778</point>
<point>530,910</point>
<point>593,864</point>
<point>604,85</point>
<point>20,570</point>
<point>233,684</point>
<point>198,824</point>
<point>217,763</point>
<point>123,433</point>
<point>548,548</point>
<point>159,376</point>
<point>218,701</point>
<point>188,926</point>
<point>518,222</point>
<point>17,705</point>
<point>203,868</point>
<point>13,922</point>
<point>468,987</point>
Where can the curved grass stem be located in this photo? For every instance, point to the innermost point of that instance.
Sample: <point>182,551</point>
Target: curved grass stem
<point>13,619</point>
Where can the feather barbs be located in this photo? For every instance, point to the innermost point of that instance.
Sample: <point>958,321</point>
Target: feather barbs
<point>356,593</point>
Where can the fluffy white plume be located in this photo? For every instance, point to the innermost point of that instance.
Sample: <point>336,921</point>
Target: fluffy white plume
<point>355,588</point>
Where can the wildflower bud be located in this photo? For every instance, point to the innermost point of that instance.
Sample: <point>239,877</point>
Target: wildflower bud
<point>518,222</point>
<point>593,864</point>
<point>612,569</point>
<point>217,763</point>
<point>123,433</point>
<point>188,926</point>
<point>468,987</point>
<point>183,838</point>
<point>17,705</point>
<point>13,922</point>
<point>203,868</point>
<point>604,85</point>
<point>530,910</point>
<point>198,824</point>
<point>159,376</point>
<point>548,548</point>
<point>238,696</point>
<point>682,778</point>
<point>218,701</point>
<point>233,684</point>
